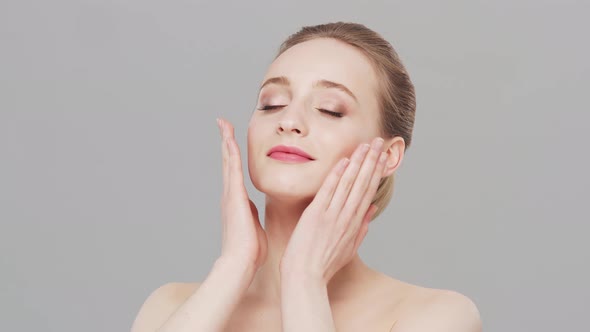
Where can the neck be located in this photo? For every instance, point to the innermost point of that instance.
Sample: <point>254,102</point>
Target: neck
<point>280,219</point>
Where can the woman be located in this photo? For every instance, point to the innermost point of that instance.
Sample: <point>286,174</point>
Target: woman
<point>335,114</point>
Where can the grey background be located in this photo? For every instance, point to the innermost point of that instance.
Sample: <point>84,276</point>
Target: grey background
<point>110,163</point>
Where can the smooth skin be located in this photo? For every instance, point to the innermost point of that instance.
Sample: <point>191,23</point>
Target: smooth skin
<point>302,271</point>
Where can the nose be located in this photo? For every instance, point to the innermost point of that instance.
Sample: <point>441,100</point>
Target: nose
<point>291,123</point>
<point>288,126</point>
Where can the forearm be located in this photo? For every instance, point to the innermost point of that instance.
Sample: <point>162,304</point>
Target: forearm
<point>211,306</point>
<point>305,305</point>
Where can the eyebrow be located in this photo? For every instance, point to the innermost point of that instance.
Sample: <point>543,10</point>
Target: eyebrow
<point>282,80</point>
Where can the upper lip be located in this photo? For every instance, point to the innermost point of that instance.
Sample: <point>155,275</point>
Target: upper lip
<point>289,149</point>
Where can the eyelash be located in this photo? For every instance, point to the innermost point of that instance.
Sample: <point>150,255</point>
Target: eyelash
<point>272,107</point>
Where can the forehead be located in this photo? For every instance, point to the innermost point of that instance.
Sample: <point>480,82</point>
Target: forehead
<point>329,59</point>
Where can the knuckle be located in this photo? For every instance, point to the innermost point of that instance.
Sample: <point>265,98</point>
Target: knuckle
<point>356,212</point>
<point>347,183</point>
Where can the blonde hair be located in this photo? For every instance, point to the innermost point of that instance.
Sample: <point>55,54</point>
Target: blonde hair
<point>397,99</point>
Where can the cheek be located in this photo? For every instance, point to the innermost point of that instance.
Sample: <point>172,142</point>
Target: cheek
<point>255,130</point>
<point>354,137</point>
<point>257,138</point>
<point>338,151</point>
<point>350,148</point>
<point>253,144</point>
<point>343,146</point>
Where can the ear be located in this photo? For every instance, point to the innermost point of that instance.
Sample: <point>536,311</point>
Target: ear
<point>395,148</point>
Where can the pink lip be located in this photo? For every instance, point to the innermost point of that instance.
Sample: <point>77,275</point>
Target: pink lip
<point>289,153</point>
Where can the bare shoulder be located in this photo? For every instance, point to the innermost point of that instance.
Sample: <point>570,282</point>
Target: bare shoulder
<point>160,304</point>
<point>427,309</point>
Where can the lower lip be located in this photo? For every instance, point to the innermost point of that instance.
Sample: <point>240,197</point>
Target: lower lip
<point>284,156</point>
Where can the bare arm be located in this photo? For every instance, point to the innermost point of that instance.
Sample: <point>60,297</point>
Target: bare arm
<point>305,305</point>
<point>243,251</point>
<point>207,309</point>
<point>327,237</point>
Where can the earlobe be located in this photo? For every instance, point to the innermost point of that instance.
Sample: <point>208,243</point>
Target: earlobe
<point>395,154</point>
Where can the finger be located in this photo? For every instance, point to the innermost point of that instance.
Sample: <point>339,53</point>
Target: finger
<point>369,194</point>
<point>361,183</point>
<point>324,194</point>
<point>347,179</point>
<point>364,229</point>
<point>224,156</point>
<point>236,177</point>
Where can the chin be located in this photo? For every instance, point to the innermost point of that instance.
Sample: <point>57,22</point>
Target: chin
<point>285,187</point>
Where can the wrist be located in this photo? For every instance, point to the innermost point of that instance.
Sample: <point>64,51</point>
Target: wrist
<point>297,278</point>
<point>235,267</point>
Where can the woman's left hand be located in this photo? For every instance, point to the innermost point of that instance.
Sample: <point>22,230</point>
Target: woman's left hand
<point>335,223</point>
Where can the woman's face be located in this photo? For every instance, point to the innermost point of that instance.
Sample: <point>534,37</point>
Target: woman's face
<point>304,85</point>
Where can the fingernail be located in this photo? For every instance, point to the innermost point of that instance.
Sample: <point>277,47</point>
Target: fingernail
<point>377,144</point>
<point>382,157</point>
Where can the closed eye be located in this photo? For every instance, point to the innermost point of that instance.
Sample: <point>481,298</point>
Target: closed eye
<point>273,107</point>
<point>270,107</point>
<point>334,114</point>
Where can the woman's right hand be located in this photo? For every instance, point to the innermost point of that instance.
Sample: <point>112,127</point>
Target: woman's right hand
<point>244,240</point>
